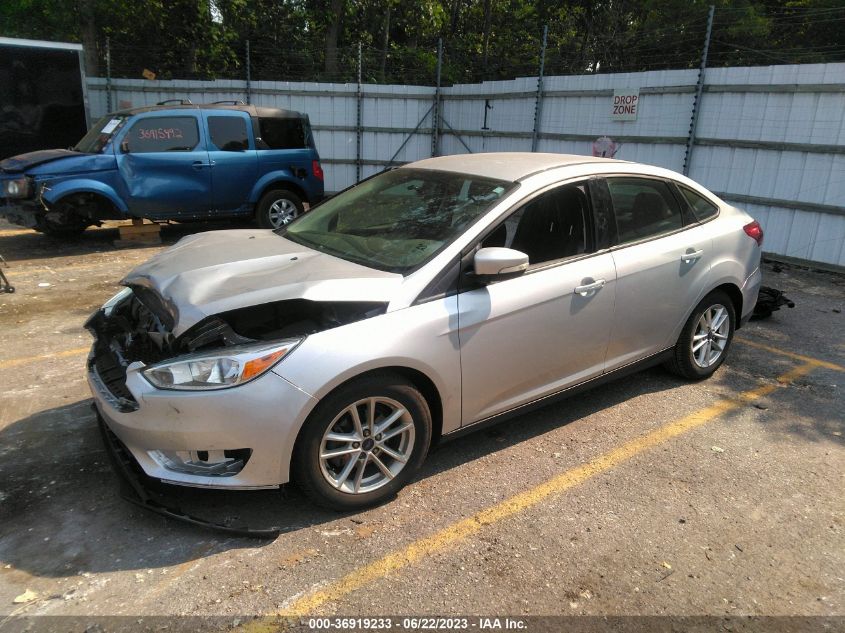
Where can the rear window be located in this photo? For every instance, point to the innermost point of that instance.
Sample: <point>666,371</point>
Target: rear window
<point>163,134</point>
<point>701,206</point>
<point>228,133</point>
<point>282,133</point>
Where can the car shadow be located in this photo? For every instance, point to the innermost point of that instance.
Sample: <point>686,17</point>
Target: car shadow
<point>61,513</point>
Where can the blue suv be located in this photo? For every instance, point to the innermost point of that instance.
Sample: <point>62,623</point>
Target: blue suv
<point>169,162</point>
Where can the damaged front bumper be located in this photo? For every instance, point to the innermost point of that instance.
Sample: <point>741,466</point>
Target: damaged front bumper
<point>134,490</point>
<point>238,438</point>
<point>22,212</point>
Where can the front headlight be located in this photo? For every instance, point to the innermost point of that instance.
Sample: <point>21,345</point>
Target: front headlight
<point>109,306</point>
<point>18,188</point>
<point>220,369</point>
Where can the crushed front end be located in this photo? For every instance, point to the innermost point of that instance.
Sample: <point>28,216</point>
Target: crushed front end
<point>237,434</point>
<point>228,438</point>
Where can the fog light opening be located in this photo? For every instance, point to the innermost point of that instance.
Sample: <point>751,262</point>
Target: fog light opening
<point>207,463</point>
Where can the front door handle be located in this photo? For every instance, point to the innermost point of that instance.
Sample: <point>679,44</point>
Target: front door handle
<point>588,288</point>
<point>198,164</point>
<point>689,257</point>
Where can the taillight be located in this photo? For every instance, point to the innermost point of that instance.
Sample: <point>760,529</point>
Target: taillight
<point>317,169</point>
<point>754,231</point>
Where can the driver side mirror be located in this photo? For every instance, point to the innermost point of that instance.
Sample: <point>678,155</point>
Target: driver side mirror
<point>124,147</point>
<point>500,262</point>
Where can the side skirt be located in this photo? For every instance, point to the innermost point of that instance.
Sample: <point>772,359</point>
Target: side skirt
<point>627,370</point>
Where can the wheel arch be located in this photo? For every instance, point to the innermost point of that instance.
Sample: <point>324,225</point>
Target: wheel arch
<point>417,378</point>
<point>277,182</point>
<point>735,294</point>
<point>63,190</point>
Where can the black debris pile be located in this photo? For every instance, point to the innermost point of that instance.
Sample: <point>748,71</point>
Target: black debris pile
<point>770,300</point>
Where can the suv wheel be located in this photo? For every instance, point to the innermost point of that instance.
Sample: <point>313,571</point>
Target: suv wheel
<point>705,339</point>
<point>362,443</point>
<point>278,208</point>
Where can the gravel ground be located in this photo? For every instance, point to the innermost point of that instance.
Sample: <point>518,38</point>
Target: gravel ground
<point>739,514</point>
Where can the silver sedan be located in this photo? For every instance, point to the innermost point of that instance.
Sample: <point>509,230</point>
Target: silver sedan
<point>421,303</point>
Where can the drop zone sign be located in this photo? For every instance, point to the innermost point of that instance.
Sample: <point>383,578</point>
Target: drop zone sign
<point>626,103</point>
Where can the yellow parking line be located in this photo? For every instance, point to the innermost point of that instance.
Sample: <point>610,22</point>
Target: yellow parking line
<point>14,362</point>
<point>465,528</point>
<point>781,352</point>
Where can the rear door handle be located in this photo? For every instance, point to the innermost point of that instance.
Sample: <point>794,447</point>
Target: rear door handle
<point>689,257</point>
<point>588,288</point>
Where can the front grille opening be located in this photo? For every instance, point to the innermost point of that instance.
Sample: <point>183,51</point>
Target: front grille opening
<point>112,374</point>
<point>128,332</point>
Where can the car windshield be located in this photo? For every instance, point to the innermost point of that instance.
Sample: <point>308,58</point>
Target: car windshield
<point>99,134</point>
<point>399,219</point>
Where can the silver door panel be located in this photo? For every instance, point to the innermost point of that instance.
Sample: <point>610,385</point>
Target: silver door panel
<point>533,335</point>
<point>658,283</point>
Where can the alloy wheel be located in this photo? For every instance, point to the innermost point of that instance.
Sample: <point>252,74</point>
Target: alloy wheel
<point>711,336</point>
<point>282,212</point>
<point>367,445</point>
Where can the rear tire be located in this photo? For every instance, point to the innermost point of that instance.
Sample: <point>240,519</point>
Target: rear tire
<point>278,208</point>
<point>705,339</point>
<point>342,464</point>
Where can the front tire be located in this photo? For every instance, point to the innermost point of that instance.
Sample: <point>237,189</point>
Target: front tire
<point>62,221</point>
<point>362,443</point>
<point>705,339</point>
<point>278,208</point>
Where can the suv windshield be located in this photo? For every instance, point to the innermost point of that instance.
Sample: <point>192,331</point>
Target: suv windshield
<point>99,134</point>
<point>399,219</point>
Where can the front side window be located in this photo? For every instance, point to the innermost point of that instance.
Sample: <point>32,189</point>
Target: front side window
<point>228,133</point>
<point>701,206</point>
<point>282,133</point>
<point>399,219</point>
<point>163,134</point>
<point>643,208</point>
<point>552,226</point>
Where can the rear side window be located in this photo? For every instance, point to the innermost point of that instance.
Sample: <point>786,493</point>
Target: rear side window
<point>163,134</point>
<point>701,206</point>
<point>228,133</point>
<point>643,208</point>
<point>282,133</point>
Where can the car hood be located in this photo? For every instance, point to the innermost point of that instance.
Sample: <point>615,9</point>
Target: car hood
<point>57,162</point>
<point>22,162</point>
<point>210,273</point>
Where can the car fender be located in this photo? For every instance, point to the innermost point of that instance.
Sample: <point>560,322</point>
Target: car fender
<point>280,177</point>
<point>422,339</point>
<point>54,193</point>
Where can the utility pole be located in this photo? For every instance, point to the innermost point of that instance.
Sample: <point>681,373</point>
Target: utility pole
<point>359,97</point>
<point>699,88</point>
<point>248,76</point>
<point>538,100</point>
<point>435,112</point>
<point>108,75</point>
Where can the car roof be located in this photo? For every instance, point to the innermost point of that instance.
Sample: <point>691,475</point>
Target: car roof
<point>510,166</point>
<point>256,111</point>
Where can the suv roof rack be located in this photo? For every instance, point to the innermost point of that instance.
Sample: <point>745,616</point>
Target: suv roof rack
<point>176,101</point>
<point>229,102</point>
